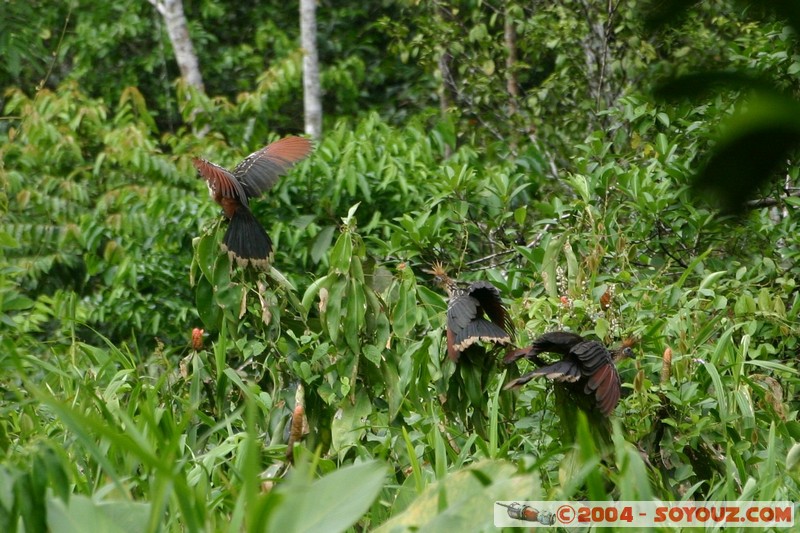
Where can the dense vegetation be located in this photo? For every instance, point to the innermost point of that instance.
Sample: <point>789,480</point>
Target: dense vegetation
<point>575,197</point>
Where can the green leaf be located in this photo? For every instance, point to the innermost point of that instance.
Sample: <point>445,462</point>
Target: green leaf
<point>349,424</point>
<point>11,300</point>
<point>110,516</point>
<point>209,312</point>
<point>207,252</point>
<point>372,354</point>
<point>394,392</point>
<point>549,264</point>
<point>333,315</point>
<point>470,495</point>
<point>330,504</point>
<point>719,392</point>
<point>574,273</point>
<point>711,279</point>
<point>312,291</point>
<point>793,458</point>
<point>342,253</point>
<point>354,321</point>
<point>520,214</point>
<point>322,243</point>
<point>8,241</point>
<point>404,314</point>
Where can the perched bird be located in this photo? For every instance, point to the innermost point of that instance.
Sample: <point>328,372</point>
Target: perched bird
<point>587,368</point>
<point>474,313</point>
<point>245,240</point>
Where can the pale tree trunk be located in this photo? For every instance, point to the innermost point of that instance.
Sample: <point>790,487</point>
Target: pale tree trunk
<point>178,30</point>
<point>312,100</point>
<point>510,37</point>
<point>597,51</point>
<point>448,87</point>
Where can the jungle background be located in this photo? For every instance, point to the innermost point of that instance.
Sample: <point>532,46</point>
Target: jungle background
<point>615,171</point>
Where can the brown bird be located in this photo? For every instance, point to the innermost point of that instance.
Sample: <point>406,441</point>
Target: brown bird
<point>245,240</point>
<point>586,367</point>
<point>475,313</point>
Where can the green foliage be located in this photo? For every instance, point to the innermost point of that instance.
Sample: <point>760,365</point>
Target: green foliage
<point>465,495</point>
<point>754,144</point>
<point>110,256</point>
<point>96,214</point>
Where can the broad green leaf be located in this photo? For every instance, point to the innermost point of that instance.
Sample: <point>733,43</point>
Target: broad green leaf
<point>394,392</point>
<point>331,504</point>
<point>349,424</point>
<point>322,243</point>
<point>711,279</point>
<point>333,315</point>
<point>470,494</point>
<point>342,253</point>
<point>8,241</point>
<point>209,312</point>
<point>111,516</point>
<point>312,291</point>
<point>550,263</point>
<point>574,274</point>
<point>719,391</point>
<point>404,314</point>
<point>372,354</point>
<point>207,252</point>
<point>13,301</point>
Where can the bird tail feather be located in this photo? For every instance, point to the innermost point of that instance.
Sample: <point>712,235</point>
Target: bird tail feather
<point>246,241</point>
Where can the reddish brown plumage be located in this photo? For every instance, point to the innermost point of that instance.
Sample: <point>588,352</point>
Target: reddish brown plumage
<point>586,367</point>
<point>245,239</point>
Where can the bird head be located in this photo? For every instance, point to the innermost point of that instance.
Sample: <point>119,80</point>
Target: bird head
<point>626,350</point>
<point>440,277</point>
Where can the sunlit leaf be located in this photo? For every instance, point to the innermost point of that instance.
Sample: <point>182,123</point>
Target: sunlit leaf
<point>330,504</point>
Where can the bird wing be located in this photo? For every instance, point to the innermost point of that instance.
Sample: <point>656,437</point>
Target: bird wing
<point>560,342</point>
<point>220,180</point>
<point>488,297</point>
<point>479,329</point>
<point>592,355</point>
<point>461,310</point>
<point>466,325</point>
<point>605,384</point>
<point>513,355</point>
<point>260,170</point>
<point>602,377</point>
<point>567,370</point>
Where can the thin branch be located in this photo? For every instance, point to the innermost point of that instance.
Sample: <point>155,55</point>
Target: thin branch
<point>55,52</point>
<point>159,7</point>
<point>772,202</point>
<point>536,240</point>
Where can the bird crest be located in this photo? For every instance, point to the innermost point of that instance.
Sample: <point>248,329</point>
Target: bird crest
<point>437,269</point>
<point>440,276</point>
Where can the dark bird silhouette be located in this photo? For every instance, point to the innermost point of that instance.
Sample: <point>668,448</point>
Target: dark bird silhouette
<point>587,369</point>
<point>474,313</point>
<point>245,240</point>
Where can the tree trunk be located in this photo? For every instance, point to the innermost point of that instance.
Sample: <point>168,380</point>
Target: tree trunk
<point>510,37</point>
<point>312,101</point>
<point>178,30</point>
<point>448,87</point>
